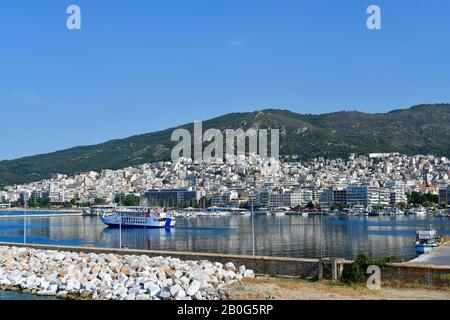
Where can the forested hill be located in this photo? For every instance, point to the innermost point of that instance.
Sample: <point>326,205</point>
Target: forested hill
<point>421,129</point>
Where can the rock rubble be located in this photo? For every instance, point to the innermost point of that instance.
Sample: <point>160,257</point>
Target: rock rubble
<point>72,275</point>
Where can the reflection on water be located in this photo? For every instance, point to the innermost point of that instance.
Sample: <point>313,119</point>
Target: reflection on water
<point>293,236</point>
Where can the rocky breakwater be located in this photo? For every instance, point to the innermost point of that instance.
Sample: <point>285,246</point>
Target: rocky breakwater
<point>72,275</point>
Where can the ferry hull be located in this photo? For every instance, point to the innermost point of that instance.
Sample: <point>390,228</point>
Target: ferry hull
<point>423,249</point>
<point>133,226</point>
<point>148,224</point>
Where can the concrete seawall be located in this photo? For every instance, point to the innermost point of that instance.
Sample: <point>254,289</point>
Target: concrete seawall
<point>273,266</point>
<point>423,276</point>
<point>428,276</point>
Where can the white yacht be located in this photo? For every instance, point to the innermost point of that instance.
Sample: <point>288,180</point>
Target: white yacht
<point>420,212</point>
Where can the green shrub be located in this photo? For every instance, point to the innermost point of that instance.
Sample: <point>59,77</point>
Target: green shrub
<point>356,273</point>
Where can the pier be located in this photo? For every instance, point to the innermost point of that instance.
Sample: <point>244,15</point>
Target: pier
<point>439,256</point>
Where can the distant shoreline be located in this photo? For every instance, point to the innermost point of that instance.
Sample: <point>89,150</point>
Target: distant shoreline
<point>40,210</point>
<point>20,213</point>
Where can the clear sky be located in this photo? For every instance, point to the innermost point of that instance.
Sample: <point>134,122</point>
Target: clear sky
<point>143,65</point>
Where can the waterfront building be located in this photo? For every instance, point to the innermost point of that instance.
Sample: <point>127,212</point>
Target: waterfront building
<point>172,196</point>
<point>358,195</point>
<point>383,195</point>
<point>255,199</point>
<point>54,195</point>
<point>24,197</point>
<point>219,200</point>
<point>326,197</point>
<point>339,196</point>
<point>264,198</point>
<point>397,196</point>
<point>444,195</point>
<point>275,199</point>
<point>293,199</point>
<point>281,198</point>
<point>36,196</point>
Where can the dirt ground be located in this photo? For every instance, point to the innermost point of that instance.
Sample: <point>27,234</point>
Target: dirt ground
<point>264,288</point>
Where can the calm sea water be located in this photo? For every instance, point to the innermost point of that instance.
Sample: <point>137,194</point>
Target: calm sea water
<point>11,295</point>
<point>293,236</point>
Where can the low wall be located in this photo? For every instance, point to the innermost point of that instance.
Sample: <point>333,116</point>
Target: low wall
<point>272,266</point>
<point>394,273</point>
<point>428,276</point>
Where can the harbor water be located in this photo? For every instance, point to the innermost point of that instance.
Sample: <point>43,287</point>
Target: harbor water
<point>15,295</point>
<point>289,236</point>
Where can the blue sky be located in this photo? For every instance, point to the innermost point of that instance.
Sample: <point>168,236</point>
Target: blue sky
<point>140,66</point>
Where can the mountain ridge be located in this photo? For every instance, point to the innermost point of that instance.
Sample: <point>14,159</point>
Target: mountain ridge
<point>419,129</point>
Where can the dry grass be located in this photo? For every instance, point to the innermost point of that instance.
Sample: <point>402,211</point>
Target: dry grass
<point>264,288</point>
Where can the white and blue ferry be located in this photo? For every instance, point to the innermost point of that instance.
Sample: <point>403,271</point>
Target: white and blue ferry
<point>138,218</point>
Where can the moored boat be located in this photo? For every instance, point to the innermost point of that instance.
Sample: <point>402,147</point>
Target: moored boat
<point>374,213</point>
<point>420,212</point>
<point>427,240</point>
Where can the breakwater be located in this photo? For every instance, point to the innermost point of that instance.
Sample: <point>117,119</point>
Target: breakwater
<point>109,276</point>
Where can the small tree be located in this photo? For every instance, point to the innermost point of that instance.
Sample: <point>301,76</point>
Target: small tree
<point>31,203</point>
<point>356,273</point>
<point>401,205</point>
<point>131,201</point>
<point>46,203</point>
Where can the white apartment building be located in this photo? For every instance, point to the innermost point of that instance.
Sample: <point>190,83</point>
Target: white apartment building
<point>286,199</point>
<point>397,196</point>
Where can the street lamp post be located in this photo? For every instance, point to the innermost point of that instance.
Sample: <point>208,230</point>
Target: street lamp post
<point>25,222</point>
<point>321,234</point>
<point>120,230</point>
<point>120,222</point>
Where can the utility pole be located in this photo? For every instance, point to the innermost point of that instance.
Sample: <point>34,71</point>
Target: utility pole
<point>120,229</point>
<point>24,222</point>
<point>120,222</point>
<point>321,233</point>
<point>253,226</point>
<point>118,212</point>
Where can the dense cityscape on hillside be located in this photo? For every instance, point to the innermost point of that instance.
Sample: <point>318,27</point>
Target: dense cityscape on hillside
<point>422,129</point>
<point>377,180</point>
